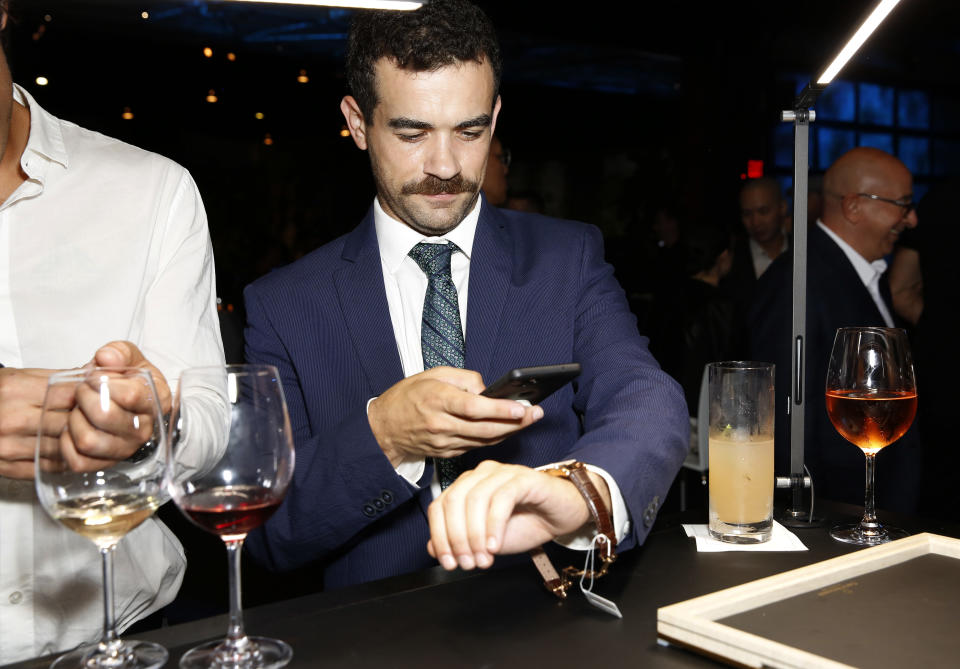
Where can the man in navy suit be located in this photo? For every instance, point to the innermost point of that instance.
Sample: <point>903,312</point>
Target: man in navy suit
<point>867,204</point>
<point>344,327</point>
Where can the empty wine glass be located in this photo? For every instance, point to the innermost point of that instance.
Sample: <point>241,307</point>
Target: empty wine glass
<point>871,400</point>
<point>231,461</point>
<point>115,413</point>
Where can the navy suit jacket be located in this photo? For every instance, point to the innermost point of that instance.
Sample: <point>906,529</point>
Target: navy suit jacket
<point>540,293</point>
<point>836,297</point>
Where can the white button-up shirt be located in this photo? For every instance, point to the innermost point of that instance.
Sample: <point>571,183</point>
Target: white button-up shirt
<point>102,242</point>
<point>869,272</point>
<point>406,288</point>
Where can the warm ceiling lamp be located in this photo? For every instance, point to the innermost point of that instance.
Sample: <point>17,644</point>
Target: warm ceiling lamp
<point>207,51</point>
<point>258,116</point>
<point>42,81</point>
<point>352,4</point>
<point>127,114</point>
<point>302,77</point>
<point>344,132</point>
<point>267,140</point>
<point>211,96</point>
<point>231,56</point>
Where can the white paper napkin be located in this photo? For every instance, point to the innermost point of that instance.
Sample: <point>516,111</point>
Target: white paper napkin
<point>781,539</point>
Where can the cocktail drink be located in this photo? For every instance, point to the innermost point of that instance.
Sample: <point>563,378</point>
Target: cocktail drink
<point>741,451</point>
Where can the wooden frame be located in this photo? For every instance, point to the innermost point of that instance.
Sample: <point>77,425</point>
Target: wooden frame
<point>692,623</point>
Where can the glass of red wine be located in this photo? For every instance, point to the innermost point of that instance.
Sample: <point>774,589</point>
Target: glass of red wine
<point>231,459</point>
<point>871,401</point>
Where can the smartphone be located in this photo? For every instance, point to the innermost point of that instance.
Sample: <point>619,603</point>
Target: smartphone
<point>532,384</point>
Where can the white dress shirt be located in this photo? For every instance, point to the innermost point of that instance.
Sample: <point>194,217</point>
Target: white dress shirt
<point>869,272</point>
<point>406,288</point>
<point>102,242</point>
<point>761,261</point>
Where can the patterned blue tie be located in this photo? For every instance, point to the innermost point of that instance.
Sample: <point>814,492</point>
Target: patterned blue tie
<point>441,335</point>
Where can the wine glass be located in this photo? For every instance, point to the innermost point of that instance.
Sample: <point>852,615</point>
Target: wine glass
<point>231,459</point>
<point>871,401</point>
<point>113,412</point>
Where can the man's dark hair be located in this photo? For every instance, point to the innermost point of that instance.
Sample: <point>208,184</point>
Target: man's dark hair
<point>440,33</point>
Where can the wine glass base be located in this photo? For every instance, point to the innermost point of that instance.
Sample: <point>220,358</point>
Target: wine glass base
<point>129,655</point>
<point>255,653</point>
<point>853,533</point>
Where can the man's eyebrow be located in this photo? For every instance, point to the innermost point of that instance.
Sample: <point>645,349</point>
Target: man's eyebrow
<point>482,121</point>
<point>405,123</point>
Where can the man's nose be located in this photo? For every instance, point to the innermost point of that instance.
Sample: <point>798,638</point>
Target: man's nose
<point>911,218</point>
<point>441,160</point>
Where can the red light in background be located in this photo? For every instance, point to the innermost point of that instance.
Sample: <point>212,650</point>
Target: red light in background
<point>754,169</point>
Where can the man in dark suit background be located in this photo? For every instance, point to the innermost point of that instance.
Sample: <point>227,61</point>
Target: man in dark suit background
<point>348,328</point>
<point>867,204</point>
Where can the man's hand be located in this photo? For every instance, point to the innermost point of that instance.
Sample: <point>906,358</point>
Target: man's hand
<point>440,413</point>
<point>126,354</point>
<point>21,401</point>
<point>100,435</point>
<point>500,509</point>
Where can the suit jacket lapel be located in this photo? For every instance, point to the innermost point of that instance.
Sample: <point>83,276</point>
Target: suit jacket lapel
<point>363,302</point>
<point>491,268</point>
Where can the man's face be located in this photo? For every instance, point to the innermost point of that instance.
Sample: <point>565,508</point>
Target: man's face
<point>880,223</point>
<point>761,211</point>
<point>428,141</point>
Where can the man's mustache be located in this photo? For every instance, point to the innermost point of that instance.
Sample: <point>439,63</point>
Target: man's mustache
<point>432,185</point>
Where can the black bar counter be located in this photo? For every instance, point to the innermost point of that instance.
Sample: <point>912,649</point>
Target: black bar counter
<point>505,618</point>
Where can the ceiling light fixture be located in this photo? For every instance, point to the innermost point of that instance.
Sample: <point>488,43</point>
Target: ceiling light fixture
<point>400,5</point>
<point>863,33</point>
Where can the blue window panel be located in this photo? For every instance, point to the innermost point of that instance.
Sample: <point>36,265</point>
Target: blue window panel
<point>946,114</point>
<point>833,143</point>
<point>876,104</point>
<point>783,145</point>
<point>837,102</point>
<point>919,190</point>
<point>915,154</point>
<point>878,140</point>
<point>946,157</point>
<point>913,110</point>
<point>786,187</point>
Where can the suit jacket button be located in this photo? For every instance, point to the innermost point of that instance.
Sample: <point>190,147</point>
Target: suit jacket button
<point>369,511</point>
<point>650,513</point>
<point>378,504</point>
<point>386,496</point>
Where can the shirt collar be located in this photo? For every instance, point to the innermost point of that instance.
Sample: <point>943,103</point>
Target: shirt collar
<point>396,238</point>
<point>867,271</point>
<point>46,137</point>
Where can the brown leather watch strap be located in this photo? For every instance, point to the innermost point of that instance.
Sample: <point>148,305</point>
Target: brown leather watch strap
<point>576,473</point>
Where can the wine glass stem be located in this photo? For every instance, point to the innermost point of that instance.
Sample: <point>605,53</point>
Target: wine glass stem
<point>109,642</point>
<point>869,524</point>
<point>235,633</point>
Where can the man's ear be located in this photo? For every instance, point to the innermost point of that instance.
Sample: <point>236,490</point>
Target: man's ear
<point>355,121</point>
<point>850,206</point>
<point>496,113</point>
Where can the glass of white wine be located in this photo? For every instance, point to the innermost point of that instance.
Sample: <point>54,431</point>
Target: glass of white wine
<point>99,465</point>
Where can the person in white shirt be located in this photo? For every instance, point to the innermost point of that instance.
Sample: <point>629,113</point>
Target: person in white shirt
<point>105,257</point>
<point>868,202</point>
<point>762,211</point>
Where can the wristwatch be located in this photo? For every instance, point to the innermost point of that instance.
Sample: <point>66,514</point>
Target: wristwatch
<point>576,473</point>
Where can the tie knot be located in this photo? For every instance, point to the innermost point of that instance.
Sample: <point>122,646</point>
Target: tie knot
<point>433,259</point>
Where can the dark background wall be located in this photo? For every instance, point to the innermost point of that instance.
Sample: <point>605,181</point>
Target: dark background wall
<point>609,110</point>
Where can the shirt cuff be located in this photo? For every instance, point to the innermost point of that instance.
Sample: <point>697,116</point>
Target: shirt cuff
<point>411,469</point>
<point>582,540</point>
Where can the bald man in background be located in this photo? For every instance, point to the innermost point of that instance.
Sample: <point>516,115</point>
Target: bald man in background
<point>868,202</point>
